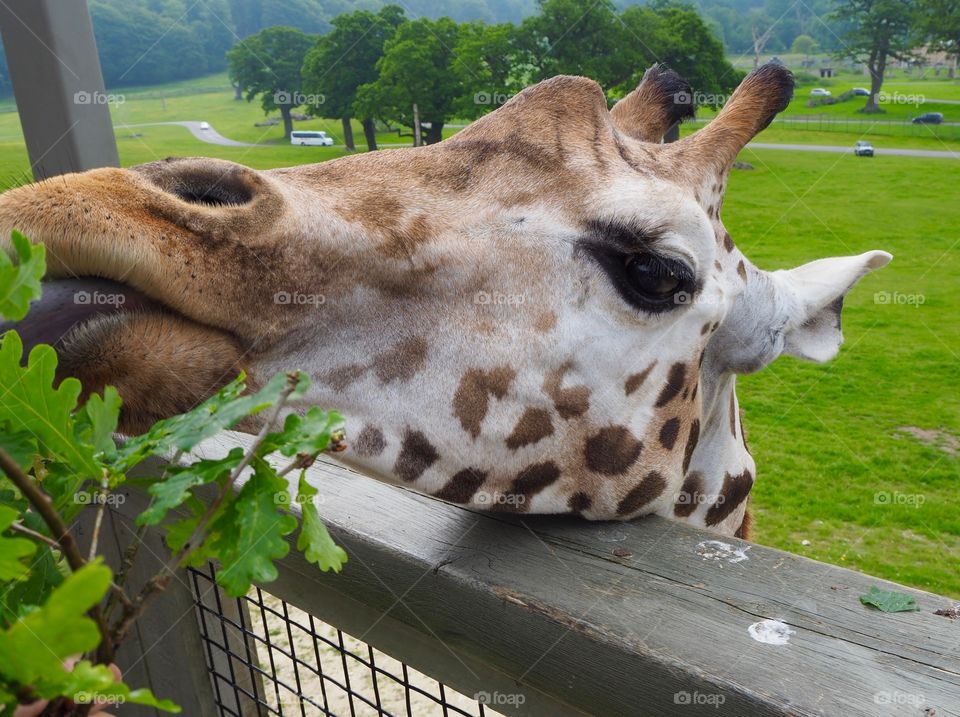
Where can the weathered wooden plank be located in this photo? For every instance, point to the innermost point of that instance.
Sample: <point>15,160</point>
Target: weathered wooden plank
<point>617,618</point>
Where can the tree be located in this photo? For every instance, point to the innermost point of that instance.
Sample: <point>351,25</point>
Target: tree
<point>803,45</point>
<point>416,70</point>
<point>267,65</point>
<point>486,62</point>
<point>880,31</point>
<point>939,24</point>
<point>346,59</point>
<point>568,37</point>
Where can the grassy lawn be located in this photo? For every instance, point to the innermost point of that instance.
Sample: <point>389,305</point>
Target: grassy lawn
<point>826,438</point>
<point>833,466</point>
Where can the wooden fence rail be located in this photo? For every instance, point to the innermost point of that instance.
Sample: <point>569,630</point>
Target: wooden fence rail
<point>562,617</point>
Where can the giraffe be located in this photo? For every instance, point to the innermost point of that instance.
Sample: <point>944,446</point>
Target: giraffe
<point>541,314</point>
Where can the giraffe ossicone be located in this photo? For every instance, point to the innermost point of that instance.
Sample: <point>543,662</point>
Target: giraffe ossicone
<point>541,314</point>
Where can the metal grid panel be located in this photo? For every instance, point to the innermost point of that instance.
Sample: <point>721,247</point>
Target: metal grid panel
<point>267,657</point>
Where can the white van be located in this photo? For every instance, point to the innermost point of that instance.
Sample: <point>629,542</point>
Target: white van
<point>316,139</point>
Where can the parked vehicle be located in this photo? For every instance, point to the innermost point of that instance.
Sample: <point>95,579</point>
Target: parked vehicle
<point>314,139</point>
<point>204,125</point>
<point>860,92</point>
<point>820,92</point>
<point>863,149</point>
<point>929,118</point>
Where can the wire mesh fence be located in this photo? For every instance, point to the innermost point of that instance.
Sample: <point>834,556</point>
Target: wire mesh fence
<point>267,657</point>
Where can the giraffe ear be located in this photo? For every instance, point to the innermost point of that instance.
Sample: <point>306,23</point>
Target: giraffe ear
<point>814,293</point>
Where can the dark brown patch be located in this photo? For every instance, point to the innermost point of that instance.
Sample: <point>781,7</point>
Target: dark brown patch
<point>403,361</point>
<point>704,329</point>
<point>692,439</point>
<point>690,495</point>
<point>370,442</point>
<point>727,241</point>
<point>612,450</point>
<point>718,266</point>
<point>545,322</point>
<point>674,385</point>
<point>462,486</point>
<point>534,478</point>
<point>416,455</point>
<point>734,491</point>
<point>340,378</point>
<point>635,380</point>
<point>569,402</point>
<point>742,270</point>
<point>746,525</point>
<point>648,489</point>
<point>669,432</point>
<point>534,425</point>
<point>579,502</point>
<point>472,399</point>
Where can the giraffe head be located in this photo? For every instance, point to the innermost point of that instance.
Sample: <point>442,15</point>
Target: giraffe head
<point>542,314</point>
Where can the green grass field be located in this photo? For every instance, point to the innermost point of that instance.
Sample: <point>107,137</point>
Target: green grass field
<point>834,466</point>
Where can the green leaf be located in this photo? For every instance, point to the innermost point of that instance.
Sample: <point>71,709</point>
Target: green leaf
<point>30,403</point>
<point>21,446</point>
<point>308,434</point>
<point>314,540</point>
<point>93,684</point>
<point>13,550</point>
<point>217,413</point>
<point>248,536</point>
<point>97,420</point>
<point>34,647</point>
<point>19,598</point>
<point>889,601</point>
<point>175,488</point>
<point>20,283</point>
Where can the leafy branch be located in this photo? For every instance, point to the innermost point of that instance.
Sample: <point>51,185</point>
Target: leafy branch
<point>55,451</point>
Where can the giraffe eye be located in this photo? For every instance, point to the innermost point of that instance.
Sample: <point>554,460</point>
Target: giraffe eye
<point>652,277</point>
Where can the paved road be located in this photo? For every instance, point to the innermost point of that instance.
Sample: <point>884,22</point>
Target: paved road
<point>943,154</point>
<point>210,136</point>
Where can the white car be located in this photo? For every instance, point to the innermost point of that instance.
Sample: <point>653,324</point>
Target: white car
<point>315,139</point>
<point>819,92</point>
<point>204,125</point>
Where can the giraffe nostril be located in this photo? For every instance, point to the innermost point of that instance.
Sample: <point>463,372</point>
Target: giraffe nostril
<point>208,183</point>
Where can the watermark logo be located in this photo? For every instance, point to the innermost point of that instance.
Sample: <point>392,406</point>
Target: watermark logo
<point>492,98</point>
<point>284,498</point>
<point>498,298</point>
<point>896,697</point>
<point>700,99</point>
<point>97,98</point>
<point>699,699</point>
<point>885,497</point>
<point>296,99</point>
<point>110,499</point>
<point>500,698</point>
<point>895,298</point>
<point>98,298</point>
<point>899,98</point>
<point>487,499</point>
<point>295,298</point>
<point>98,700</point>
<point>697,498</point>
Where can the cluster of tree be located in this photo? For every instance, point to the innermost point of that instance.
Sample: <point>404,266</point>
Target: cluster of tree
<point>420,73</point>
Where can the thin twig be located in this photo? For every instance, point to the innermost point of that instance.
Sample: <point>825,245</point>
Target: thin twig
<point>98,520</point>
<point>39,537</point>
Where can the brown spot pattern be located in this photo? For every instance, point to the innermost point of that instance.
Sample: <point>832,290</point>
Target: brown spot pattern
<point>746,525</point>
<point>463,485</point>
<point>534,425</point>
<point>634,381</point>
<point>534,478</point>
<point>733,414</point>
<point>370,442</point>
<point>569,402</point>
<point>690,495</point>
<point>579,502</point>
<point>692,438</point>
<point>652,485</point>
<point>674,385</point>
<point>727,241</point>
<point>416,455</point>
<point>612,450</point>
<point>742,270</point>
<point>545,322</point>
<point>669,432</point>
<point>472,399</point>
<point>402,362</point>
<point>734,491</point>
